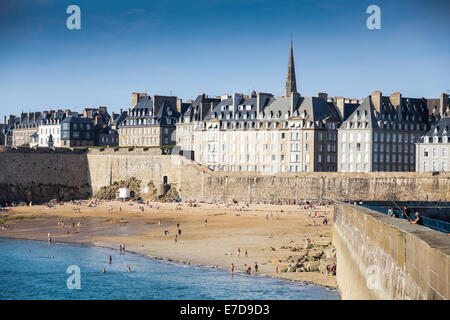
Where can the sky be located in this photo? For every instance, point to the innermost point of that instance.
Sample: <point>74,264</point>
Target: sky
<point>186,48</point>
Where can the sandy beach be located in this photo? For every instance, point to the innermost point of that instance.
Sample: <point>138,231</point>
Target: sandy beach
<point>266,232</point>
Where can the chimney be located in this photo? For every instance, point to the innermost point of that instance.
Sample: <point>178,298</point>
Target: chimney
<point>134,98</point>
<point>396,99</point>
<point>261,99</point>
<point>179,101</point>
<point>294,100</point>
<point>323,95</point>
<point>237,97</point>
<point>4,119</point>
<point>376,100</point>
<point>443,103</point>
<point>120,112</point>
<point>340,106</point>
<point>67,112</point>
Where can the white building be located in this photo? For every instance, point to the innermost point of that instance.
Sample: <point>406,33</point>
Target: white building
<point>50,125</point>
<point>432,151</point>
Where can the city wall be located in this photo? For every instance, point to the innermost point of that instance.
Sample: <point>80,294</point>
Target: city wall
<point>42,173</point>
<point>379,257</point>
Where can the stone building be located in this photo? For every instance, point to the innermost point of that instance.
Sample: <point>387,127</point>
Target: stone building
<point>432,149</point>
<point>25,128</point>
<point>151,121</point>
<point>379,135</point>
<point>194,114</point>
<point>50,128</point>
<point>262,133</point>
<point>104,134</point>
<point>76,131</point>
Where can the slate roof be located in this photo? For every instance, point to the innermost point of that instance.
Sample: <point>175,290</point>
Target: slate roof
<point>142,114</point>
<point>440,129</point>
<point>194,111</point>
<point>226,108</point>
<point>363,114</point>
<point>317,109</point>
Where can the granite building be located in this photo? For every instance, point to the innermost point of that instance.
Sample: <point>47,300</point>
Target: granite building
<point>380,134</point>
<point>262,133</point>
<point>25,128</point>
<point>77,131</point>
<point>151,121</point>
<point>432,149</point>
<point>195,113</point>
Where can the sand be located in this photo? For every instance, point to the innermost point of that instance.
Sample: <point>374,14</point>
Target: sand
<point>214,244</point>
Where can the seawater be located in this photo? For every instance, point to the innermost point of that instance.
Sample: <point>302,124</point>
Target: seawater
<point>37,270</point>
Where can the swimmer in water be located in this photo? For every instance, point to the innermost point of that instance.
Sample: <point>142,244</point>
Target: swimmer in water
<point>110,259</point>
<point>129,269</point>
<point>104,270</point>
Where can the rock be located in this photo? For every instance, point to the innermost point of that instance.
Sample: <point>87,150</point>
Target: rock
<point>311,266</point>
<point>315,254</point>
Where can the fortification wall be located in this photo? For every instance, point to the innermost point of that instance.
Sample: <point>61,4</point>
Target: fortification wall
<point>201,183</point>
<point>146,164</point>
<point>25,173</point>
<point>42,174</point>
<point>379,257</point>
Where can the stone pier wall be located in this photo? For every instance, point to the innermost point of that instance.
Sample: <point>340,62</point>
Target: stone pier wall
<point>379,257</point>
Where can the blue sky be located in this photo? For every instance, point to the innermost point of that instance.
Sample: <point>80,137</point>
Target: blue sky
<point>216,46</point>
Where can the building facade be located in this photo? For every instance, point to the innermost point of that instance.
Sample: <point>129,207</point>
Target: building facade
<point>151,121</point>
<point>195,113</point>
<point>49,133</point>
<point>25,128</point>
<point>263,133</point>
<point>432,149</point>
<point>77,131</point>
<point>380,134</point>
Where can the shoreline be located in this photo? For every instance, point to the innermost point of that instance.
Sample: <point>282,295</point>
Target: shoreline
<point>169,260</point>
<point>142,235</point>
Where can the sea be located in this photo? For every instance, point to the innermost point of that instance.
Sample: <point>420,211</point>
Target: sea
<point>37,270</point>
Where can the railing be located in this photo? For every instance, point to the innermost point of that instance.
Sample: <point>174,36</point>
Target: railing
<point>434,224</point>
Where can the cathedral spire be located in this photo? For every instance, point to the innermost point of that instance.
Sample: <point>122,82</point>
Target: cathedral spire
<point>291,84</point>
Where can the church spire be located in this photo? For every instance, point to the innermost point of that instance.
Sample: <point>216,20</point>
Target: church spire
<point>291,84</point>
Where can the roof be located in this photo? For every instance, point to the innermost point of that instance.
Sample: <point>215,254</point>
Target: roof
<point>76,119</point>
<point>440,129</point>
<point>363,114</point>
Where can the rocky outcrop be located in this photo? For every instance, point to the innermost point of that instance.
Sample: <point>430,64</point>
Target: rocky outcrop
<point>312,258</point>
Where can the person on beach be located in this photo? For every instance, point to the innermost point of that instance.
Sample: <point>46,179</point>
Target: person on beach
<point>179,232</point>
<point>232,268</point>
<point>249,270</point>
<point>246,255</point>
<point>256,267</point>
<point>276,270</point>
<point>206,222</point>
<point>238,252</point>
<point>176,238</point>
<point>110,259</point>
